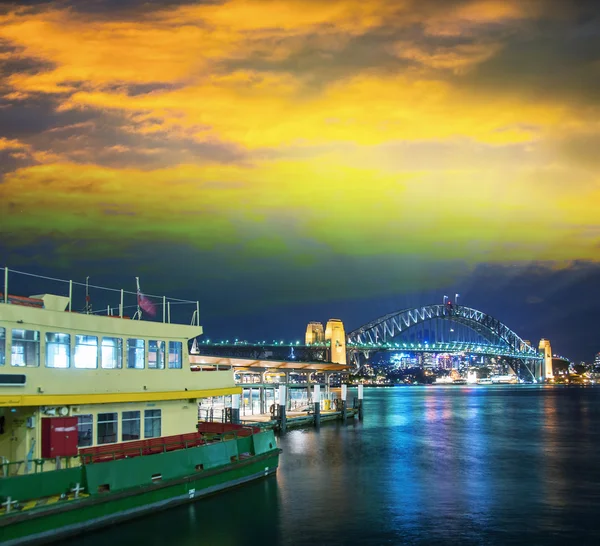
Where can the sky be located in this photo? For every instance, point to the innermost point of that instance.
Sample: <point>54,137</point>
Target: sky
<point>287,161</point>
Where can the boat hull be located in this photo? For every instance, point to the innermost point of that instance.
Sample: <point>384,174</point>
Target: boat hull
<point>47,526</point>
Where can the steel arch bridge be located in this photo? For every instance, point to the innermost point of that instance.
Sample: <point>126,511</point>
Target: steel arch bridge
<point>378,334</point>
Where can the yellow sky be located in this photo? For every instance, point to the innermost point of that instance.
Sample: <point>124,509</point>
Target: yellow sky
<point>368,127</point>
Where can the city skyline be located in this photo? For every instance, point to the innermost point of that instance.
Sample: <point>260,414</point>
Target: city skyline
<point>292,161</point>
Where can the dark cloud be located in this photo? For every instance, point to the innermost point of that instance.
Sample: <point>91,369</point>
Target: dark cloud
<point>12,61</point>
<point>565,302</point>
<point>11,160</point>
<point>94,136</point>
<point>102,9</point>
<point>550,58</point>
<point>22,119</point>
<point>320,58</point>
<point>111,141</point>
<point>556,55</point>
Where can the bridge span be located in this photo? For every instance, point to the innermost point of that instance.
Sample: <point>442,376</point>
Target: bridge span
<point>394,332</point>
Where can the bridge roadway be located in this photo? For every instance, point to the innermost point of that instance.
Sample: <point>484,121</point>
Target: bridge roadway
<point>297,352</point>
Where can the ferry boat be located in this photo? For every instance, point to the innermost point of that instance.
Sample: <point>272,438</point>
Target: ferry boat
<point>99,420</point>
<point>505,379</point>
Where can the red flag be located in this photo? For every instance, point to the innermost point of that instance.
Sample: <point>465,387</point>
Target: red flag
<point>146,304</point>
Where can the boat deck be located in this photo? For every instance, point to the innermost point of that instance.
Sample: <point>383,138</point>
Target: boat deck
<point>20,507</point>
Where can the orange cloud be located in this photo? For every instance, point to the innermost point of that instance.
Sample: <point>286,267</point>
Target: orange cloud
<point>11,144</point>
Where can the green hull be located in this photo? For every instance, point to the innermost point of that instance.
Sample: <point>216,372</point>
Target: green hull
<point>50,523</point>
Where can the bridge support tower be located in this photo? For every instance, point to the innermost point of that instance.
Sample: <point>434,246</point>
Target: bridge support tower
<point>546,351</point>
<point>335,334</point>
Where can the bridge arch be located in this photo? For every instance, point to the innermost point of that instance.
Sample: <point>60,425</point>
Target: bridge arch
<point>385,328</point>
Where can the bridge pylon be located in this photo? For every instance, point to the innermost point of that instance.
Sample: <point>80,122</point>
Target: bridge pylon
<point>335,334</point>
<point>546,350</point>
<point>314,333</point>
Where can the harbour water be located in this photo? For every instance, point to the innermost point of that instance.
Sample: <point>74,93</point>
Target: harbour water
<point>428,465</point>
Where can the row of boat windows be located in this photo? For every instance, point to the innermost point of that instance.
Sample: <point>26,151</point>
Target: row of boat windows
<point>89,351</point>
<point>107,427</point>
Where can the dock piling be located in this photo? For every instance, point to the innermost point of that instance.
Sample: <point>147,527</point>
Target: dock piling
<point>282,402</point>
<point>235,408</point>
<point>344,395</point>
<point>317,403</point>
<point>360,402</point>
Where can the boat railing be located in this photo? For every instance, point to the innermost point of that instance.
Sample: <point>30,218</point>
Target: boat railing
<point>9,469</point>
<point>98,300</point>
<point>140,448</point>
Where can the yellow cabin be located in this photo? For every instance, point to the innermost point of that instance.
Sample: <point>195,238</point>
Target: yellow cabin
<point>118,379</point>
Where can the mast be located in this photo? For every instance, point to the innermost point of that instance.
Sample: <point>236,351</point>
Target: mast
<point>138,313</point>
<point>88,301</point>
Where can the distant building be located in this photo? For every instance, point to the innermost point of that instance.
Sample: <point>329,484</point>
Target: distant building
<point>597,361</point>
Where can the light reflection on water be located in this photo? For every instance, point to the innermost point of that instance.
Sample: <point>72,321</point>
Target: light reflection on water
<point>481,465</point>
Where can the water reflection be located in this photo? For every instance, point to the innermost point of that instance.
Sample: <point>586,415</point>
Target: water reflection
<point>476,465</point>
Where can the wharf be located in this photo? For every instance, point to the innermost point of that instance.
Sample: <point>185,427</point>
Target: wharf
<point>298,419</point>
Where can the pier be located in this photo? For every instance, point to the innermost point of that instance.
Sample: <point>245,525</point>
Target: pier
<point>279,400</point>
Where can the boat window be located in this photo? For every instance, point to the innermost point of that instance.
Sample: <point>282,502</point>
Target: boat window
<point>152,423</point>
<point>131,425</point>
<point>2,346</point>
<point>86,352</point>
<point>136,349</point>
<point>108,426</point>
<point>25,348</point>
<point>58,350</point>
<point>156,354</point>
<point>112,352</point>
<point>175,354</point>
<point>85,425</point>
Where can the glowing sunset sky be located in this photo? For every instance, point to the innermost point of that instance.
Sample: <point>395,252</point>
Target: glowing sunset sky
<point>339,158</point>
